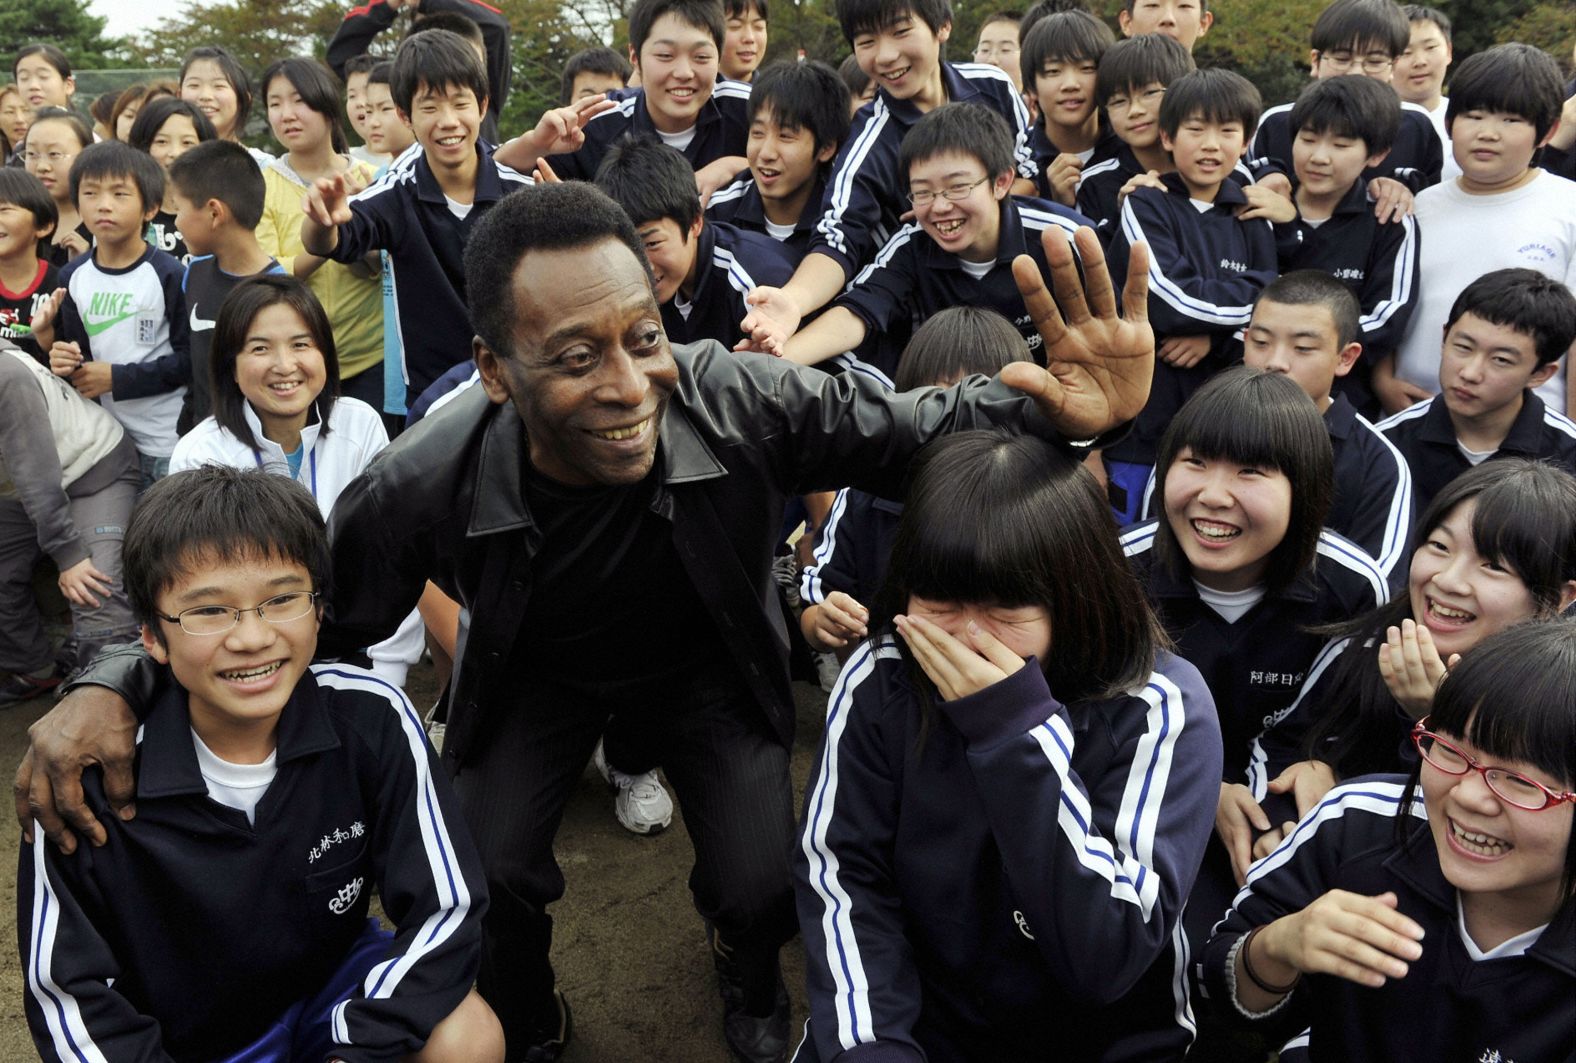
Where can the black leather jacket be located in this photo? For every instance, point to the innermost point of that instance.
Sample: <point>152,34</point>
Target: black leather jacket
<point>741,435</point>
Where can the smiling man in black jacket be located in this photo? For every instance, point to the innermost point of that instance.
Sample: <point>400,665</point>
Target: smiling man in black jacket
<point>606,506</point>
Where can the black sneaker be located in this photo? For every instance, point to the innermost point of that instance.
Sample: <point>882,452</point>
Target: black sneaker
<point>17,688</point>
<point>550,1050</point>
<point>751,1038</point>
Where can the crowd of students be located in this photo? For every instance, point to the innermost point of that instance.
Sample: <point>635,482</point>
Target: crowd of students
<point>1234,692</point>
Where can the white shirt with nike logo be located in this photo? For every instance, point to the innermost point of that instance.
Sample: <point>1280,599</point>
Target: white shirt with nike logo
<point>133,317</point>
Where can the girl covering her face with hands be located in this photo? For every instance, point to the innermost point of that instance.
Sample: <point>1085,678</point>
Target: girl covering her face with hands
<point>1431,916</point>
<point>1015,786</point>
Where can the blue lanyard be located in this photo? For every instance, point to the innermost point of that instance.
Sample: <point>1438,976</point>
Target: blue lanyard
<point>311,457</point>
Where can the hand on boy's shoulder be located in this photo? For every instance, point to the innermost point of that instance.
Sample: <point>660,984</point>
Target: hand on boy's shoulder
<point>1150,179</point>
<point>1392,200</point>
<point>1267,203</point>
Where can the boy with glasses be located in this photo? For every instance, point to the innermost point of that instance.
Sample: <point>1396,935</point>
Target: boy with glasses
<point>273,796</point>
<point>1362,37</point>
<point>958,167</point>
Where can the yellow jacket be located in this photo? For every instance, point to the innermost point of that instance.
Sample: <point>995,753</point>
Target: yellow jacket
<point>354,304</point>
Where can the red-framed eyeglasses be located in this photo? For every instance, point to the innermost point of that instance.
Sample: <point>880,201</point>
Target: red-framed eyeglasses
<point>1509,786</point>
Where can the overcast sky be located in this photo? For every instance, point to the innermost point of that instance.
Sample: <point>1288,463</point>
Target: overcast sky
<point>128,18</point>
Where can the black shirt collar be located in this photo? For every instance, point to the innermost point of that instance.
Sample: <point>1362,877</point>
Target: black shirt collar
<point>1228,195</point>
<point>1340,419</point>
<point>169,758</point>
<point>1525,436</point>
<point>489,189</point>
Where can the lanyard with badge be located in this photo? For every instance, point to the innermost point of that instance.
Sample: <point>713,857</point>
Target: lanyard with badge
<point>311,457</point>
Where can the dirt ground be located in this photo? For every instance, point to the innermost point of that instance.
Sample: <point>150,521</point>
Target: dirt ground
<point>628,947</point>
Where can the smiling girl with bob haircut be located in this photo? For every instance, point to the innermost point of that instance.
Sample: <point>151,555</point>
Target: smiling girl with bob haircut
<point>218,84</point>
<point>1431,916</point>
<point>1496,547</point>
<point>1238,566</point>
<point>1015,787</point>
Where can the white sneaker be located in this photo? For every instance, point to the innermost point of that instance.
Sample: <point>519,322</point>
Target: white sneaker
<point>641,805</point>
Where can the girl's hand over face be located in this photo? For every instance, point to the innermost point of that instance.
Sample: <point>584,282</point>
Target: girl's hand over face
<point>958,668</point>
<point>1412,667</point>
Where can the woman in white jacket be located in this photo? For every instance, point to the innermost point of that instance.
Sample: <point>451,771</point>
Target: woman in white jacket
<point>275,385</point>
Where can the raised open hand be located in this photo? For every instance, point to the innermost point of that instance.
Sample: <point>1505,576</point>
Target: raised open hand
<point>1098,365</point>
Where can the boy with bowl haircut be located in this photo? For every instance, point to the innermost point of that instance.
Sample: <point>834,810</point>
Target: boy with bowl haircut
<point>1206,265</point>
<point>744,38</point>
<point>1419,73</point>
<point>1504,337</point>
<point>701,270</point>
<point>424,206</point>
<point>798,120</point>
<point>387,133</point>
<point>1361,37</point>
<point>1306,325</point>
<point>272,796</point>
<point>218,193</point>
<point>897,44</point>
<point>1184,21</point>
<point>592,72</point>
<point>1502,212</point>
<point>1341,128</point>
<point>957,164</point>
<point>1128,88</point>
<point>675,46</point>
<point>391,134</point>
<point>1060,59</point>
<point>120,330</point>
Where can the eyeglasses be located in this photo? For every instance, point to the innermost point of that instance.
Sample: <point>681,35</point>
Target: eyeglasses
<point>1149,98</point>
<point>217,619</point>
<point>952,193</point>
<point>1372,63</point>
<point>55,157</point>
<point>1510,787</point>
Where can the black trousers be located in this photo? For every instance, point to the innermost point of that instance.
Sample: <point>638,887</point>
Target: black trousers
<point>730,775</point>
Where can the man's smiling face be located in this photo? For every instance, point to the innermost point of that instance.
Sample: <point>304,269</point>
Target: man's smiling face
<point>591,371</point>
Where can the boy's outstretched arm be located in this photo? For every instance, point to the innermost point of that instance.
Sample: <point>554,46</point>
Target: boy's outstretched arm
<point>836,331</point>
<point>814,284</point>
<point>327,207</point>
<point>559,132</point>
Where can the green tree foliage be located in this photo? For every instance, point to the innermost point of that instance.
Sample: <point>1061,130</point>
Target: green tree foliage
<point>256,31</point>
<point>1267,43</point>
<point>67,24</point>
<point>1551,25</point>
